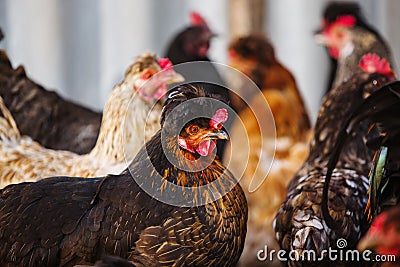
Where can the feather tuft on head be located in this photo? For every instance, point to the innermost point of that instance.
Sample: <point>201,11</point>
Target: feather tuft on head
<point>371,63</point>
<point>219,118</point>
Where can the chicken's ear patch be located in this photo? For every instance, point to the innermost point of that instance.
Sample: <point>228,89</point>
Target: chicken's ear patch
<point>219,118</point>
<point>371,63</point>
<point>184,144</point>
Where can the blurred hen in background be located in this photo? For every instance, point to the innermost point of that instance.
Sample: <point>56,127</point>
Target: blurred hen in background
<point>254,56</point>
<point>348,36</point>
<point>193,44</point>
<point>45,116</point>
<point>384,236</point>
<point>131,117</point>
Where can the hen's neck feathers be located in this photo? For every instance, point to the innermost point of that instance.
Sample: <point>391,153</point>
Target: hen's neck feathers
<point>361,42</point>
<point>123,124</point>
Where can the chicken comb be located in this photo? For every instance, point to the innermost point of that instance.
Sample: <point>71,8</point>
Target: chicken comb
<point>165,63</point>
<point>346,21</point>
<point>371,63</point>
<point>197,20</point>
<point>220,116</point>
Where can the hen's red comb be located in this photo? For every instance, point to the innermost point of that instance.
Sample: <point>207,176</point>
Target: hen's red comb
<point>165,63</point>
<point>346,20</point>
<point>371,63</point>
<point>197,20</point>
<point>220,116</point>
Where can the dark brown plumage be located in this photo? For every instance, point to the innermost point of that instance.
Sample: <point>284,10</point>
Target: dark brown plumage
<point>43,115</point>
<point>67,221</point>
<point>382,108</point>
<point>299,223</point>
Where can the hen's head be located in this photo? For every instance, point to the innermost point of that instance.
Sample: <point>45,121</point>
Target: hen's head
<point>255,47</point>
<point>338,18</point>
<point>384,234</point>
<point>198,123</point>
<point>150,76</point>
<point>336,35</point>
<point>197,37</point>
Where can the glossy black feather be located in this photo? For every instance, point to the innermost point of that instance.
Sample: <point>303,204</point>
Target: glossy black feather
<point>43,115</point>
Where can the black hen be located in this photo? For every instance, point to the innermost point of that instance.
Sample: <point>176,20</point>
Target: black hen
<point>43,115</point>
<point>300,224</point>
<point>347,36</point>
<point>67,221</point>
<point>192,45</point>
<point>382,108</point>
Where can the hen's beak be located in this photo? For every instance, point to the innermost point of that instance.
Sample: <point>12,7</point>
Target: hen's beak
<point>320,38</point>
<point>170,76</point>
<point>156,87</point>
<point>221,134</point>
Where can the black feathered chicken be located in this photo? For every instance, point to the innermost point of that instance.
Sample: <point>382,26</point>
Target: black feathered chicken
<point>299,223</point>
<point>67,221</point>
<point>43,115</point>
<point>347,36</point>
<point>382,108</point>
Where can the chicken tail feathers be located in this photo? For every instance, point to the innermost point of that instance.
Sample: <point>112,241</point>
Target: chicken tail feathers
<point>8,127</point>
<point>375,179</point>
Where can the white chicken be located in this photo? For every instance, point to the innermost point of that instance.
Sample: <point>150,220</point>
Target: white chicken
<point>131,115</point>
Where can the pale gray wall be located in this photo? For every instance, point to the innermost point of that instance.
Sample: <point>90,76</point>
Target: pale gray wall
<point>82,47</point>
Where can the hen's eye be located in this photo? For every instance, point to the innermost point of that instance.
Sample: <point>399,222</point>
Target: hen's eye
<point>194,129</point>
<point>147,74</point>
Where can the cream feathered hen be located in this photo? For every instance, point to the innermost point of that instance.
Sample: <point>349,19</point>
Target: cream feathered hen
<point>130,117</point>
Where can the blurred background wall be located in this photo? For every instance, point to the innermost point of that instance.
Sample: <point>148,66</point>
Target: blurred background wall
<point>82,48</point>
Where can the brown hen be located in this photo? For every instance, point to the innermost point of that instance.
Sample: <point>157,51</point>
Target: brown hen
<point>154,213</point>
